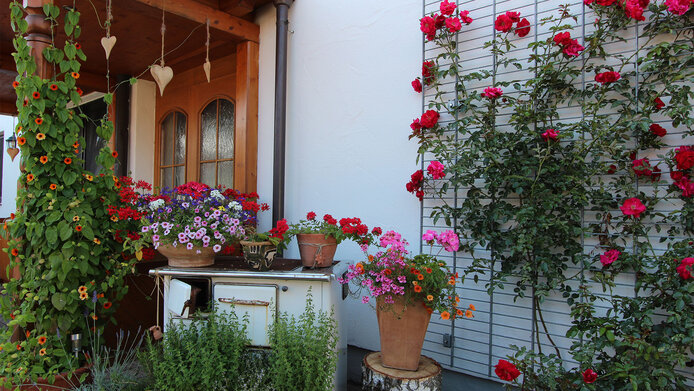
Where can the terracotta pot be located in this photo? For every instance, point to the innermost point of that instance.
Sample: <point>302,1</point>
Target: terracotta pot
<point>402,330</point>
<point>180,256</point>
<point>63,381</point>
<point>259,255</point>
<point>316,250</point>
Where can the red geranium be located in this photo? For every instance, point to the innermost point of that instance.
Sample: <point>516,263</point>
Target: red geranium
<point>589,376</point>
<point>330,220</point>
<point>310,216</point>
<point>429,119</point>
<point>279,230</point>
<point>633,207</point>
<point>506,370</point>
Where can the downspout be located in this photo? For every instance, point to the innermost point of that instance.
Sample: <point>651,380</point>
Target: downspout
<point>278,168</point>
<point>122,124</point>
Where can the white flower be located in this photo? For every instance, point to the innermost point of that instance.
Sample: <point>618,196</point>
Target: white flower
<point>233,205</point>
<point>156,204</point>
<point>216,194</point>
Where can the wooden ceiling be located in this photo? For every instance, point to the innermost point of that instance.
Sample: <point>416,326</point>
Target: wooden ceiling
<point>136,24</point>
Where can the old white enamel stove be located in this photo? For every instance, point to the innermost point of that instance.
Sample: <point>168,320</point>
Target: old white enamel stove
<point>261,295</point>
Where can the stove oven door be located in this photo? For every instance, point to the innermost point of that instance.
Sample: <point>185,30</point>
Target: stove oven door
<point>257,301</point>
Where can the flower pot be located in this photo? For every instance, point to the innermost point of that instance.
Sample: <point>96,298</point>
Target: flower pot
<point>402,330</point>
<point>63,381</point>
<point>316,250</point>
<point>180,256</point>
<point>259,255</point>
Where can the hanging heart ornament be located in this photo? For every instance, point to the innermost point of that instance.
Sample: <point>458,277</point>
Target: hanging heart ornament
<point>206,66</point>
<point>108,43</point>
<point>162,75</point>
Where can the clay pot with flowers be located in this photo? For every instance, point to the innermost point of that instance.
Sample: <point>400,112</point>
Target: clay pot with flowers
<point>193,222</point>
<point>259,249</point>
<point>318,239</point>
<point>407,291</point>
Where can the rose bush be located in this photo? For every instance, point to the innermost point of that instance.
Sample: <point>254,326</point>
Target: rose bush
<point>549,195</point>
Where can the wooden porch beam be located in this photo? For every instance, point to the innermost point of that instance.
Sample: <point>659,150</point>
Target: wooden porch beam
<point>8,107</point>
<point>222,21</point>
<point>236,7</point>
<point>246,142</point>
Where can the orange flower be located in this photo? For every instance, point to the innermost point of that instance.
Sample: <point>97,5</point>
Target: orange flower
<point>76,145</point>
<point>15,84</point>
<point>417,288</point>
<point>28,333</point>
<point>35,95</point>
<point>114,218</point>
<point>430,297</point>
<point>107,305</point>
<point>67,160</point>
<point>100,295</point>
<point>451,282</point>
<point>97,241</point>
<point>459,312</point>
<point>38,121</point>
<point>429,311</point>
<point>388,272</point>
<point>94,317</point>
<point>42,352</point>
<point>371,258</point>
<point>43,159</point>
<point>54,87</point>
<point>75,218</point>
<point>19,128</point>
<point>75,75</point>
<point>30,178</point>
<point>19,347</point>
<point>420,276</point>
<point>89,177</point>
<point>53,186</point>
<point>117,185</point>
<point>78,228</point>
<point>414,283</point>
<point>21,140</point>
<point>77,151</point>
<point>84,296</point>
<point>114,154</point>
<point>78,46</point>
<point>82,289</point>
<point>42,340</point>
<point>429,270</point>
<point>445,315</point>
<point>15,252</point>
<point>468,314</point>
<point>79,91</point>
<point>472,307</point>
<point>40,136</point>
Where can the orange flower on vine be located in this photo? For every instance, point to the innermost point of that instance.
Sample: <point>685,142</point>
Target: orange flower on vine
<point>43,159</point>
<point>40,136</point>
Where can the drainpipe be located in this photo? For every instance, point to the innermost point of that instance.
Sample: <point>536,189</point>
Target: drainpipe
<point>280,109</point>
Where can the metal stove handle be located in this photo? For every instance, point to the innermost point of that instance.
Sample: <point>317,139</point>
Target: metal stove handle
<point>233,301</point>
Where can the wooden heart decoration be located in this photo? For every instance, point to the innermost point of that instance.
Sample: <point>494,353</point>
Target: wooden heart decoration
<point>162,75</point>
<point>206,66</point>
<point>12,152</point>
<point>108,43</point>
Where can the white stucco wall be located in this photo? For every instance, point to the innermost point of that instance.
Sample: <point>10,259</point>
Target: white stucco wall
<point>349,107</point>
<point>142,130</point>
<point>10,171</point>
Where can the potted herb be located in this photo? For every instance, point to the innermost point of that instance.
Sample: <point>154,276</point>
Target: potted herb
<point>318,239</point>
<point>407,291</point>
<point>259,249</point>
<point>193,222</point>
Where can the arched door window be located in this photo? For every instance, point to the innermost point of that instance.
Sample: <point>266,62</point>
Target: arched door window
<point>217,143</point>
<point>172,160</point>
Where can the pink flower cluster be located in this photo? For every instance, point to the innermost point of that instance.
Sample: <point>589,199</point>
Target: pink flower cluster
<point>570,47</point>
<point>633,207</point>
<point>609,256</point>
<point>430,24</point>
<point>436,170</point>
<point>632,8</point>
<point>550,134</point>
<point>686,268</point>
<point>504,23</point>
<point>678,7</point>
<point>492,93</point>
<point>448,239</point>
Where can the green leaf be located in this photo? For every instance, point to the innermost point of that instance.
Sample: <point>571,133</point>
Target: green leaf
<point>59,300</point>
<point>51,235</point>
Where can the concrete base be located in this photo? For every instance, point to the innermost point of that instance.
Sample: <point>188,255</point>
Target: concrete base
<point>376,377</point>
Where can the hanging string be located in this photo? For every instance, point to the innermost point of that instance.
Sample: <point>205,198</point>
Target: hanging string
<point>109,17</point>
<point>163,29</point>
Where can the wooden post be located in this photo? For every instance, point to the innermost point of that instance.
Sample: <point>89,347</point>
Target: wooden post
<point>38,35</point>
<point>246,137</point>
<point>376,377</point>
